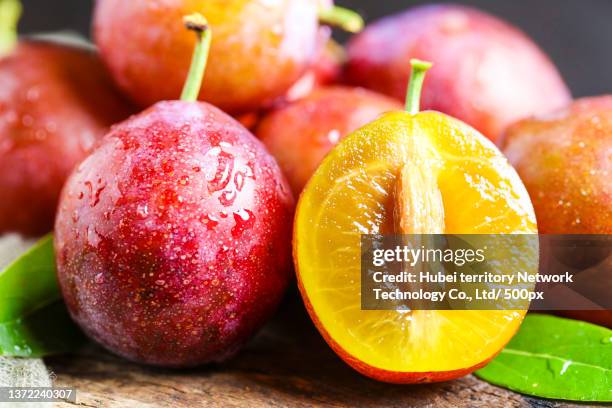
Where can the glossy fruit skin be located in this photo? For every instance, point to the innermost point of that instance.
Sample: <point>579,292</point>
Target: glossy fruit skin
<point>173,237</point>
<point>55,103</point>
<point>325,70</point>
<point>259,49</point>
<point>565,161</point>
<point>300,134</point>
<point>486,72</point>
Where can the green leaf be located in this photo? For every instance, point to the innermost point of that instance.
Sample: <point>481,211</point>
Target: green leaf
<point>45,332</point>
<point>29,282</point>
<point>556,358</point>
<point>33,320</point>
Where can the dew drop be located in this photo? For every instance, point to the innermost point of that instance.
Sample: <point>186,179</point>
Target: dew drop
<point>244,220</point>
<point>27,120</point>
<point>183,181</point>
<point>559,367</point>
<point>210,221</point>
<point>142,211</point>
<point>40,135</point>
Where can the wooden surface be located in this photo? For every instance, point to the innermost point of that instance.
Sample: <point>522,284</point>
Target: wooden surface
<point>287,364</point>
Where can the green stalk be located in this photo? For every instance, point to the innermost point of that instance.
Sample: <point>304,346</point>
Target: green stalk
<point>10,12</point>
<point>341,17</point>
<point>415,87</point>
<point>198,24</point>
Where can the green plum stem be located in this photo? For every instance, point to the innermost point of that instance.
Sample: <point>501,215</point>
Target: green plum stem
<point>415,87</point>
<point>198,24</point>
<point>341,17</point>
<point>10,12</point>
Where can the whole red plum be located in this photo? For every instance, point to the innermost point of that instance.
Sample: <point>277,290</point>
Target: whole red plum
<point>565,160</point>
<point>486,72</point>
<point>173,238</point>
<point>301,133</point>
<point>260,48</point>
<point>56,101</point>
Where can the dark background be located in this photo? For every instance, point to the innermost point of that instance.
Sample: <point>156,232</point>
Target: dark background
<point>577,34</point>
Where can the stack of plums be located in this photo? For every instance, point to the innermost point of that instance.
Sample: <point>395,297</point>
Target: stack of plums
<point>173,227</point>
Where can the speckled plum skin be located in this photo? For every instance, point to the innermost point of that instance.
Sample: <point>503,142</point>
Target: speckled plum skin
<point>301,133</point>
<point>173,237</point>
<point>55,103</point>
<point>486,72</point>
<point>565,160</point>
<point>259,48</point>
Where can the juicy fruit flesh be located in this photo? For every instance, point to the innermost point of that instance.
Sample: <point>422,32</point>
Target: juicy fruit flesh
<point>352,193</point>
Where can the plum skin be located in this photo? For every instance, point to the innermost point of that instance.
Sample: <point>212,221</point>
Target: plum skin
<point>173,238</point>
<point>55,103</point>
<point>486,72</point>
<point>259,48</point>
<point>300,134</point>
<point>565,160</point>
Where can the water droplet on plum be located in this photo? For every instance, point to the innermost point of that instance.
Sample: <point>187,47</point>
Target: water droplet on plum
<point>244,220</point>
<point>142,211</point>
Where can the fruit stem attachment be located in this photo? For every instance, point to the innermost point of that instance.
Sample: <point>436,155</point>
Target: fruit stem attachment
<point>199,25</point>
<point>415,86</point>
<point>10,11</point>
<point>336,16</point>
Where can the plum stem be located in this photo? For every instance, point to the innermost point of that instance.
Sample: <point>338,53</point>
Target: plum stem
<point>10,12</point>
<point>198,24</point>
<point>415,86</point>
<point>341,17</point>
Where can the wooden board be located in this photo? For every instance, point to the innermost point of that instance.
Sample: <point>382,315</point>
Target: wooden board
<point>287,364</point>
